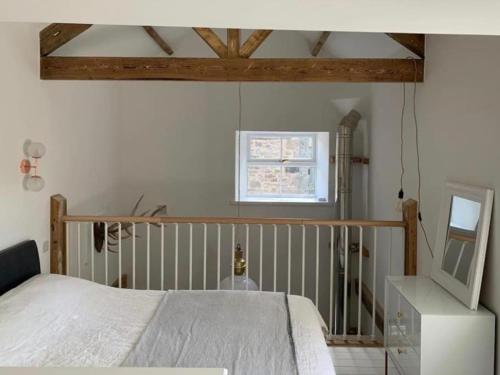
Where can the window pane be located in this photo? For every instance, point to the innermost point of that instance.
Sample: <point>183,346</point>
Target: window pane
<point>298,148</point>
<point>263,180</point>
<point>299,180</point>
<point>265,148</point>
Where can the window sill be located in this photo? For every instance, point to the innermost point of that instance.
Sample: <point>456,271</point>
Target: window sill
<point>283,203</point>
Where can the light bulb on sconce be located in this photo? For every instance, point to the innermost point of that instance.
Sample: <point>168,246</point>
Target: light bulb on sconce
<point>36,150</point>
<point>32,180</point>
<point>34,183</point>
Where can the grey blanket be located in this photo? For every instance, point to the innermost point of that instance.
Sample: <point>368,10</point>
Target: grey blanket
<point>248,333</point>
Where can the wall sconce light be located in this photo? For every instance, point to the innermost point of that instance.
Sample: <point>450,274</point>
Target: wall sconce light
<point>32,180</point>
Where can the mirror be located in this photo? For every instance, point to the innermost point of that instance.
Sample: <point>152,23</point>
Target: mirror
<point>461,238</point>
<point>461,241</point>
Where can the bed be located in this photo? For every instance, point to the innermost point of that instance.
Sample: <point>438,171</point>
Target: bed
<point>61,321</point>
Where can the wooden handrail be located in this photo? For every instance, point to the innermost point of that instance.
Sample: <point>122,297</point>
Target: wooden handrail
<point>230,220</point>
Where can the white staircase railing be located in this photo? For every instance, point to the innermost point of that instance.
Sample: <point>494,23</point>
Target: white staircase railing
<point>280,262</point>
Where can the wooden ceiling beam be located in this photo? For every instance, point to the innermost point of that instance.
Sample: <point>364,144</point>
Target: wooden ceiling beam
<point>213,40</point>
<point>233,43</point>
<point>56,35</point>
<point>413,42</point>
<point>158,40</point>
<point>231,69</point>
<point>319,44</point>
<point>253,42</point>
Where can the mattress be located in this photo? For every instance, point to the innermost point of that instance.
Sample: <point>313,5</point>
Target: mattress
<point>59,321</point>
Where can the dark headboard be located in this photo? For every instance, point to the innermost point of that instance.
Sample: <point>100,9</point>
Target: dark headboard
<point>18,264</point>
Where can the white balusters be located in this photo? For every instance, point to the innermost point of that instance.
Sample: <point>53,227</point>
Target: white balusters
<point>247,244</point>
<point>218,256</point>
<point>360,286</point>
<point>204,256</point>
<point>374,282</point>
<point>176,261</point>
<point>332,252</point>
<point>281,241</point>
<point>261,240</point>
<point>133,255</point>
<point>78,247</point>
<point>67,251</point>
<point>289,258</point>
<point>148,256</point>
<point>106,254</point>
<point>316,299</point>
<point>119,255</point>
<point>389,258</point>
<point>303,260</point>
<point>190,256</point>
<point>233,241</point>
<point>162,257</point>
<point>92,245</point>
<point>346,269</point>
<point>275,260</point>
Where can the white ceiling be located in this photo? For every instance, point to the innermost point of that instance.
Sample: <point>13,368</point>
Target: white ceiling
<point>133,41</point>
<point>412,16</point>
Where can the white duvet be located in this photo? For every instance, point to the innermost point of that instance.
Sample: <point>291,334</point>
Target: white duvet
<point>54,320</point>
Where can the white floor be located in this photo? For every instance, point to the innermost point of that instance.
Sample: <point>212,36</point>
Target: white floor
<point>360,361</point>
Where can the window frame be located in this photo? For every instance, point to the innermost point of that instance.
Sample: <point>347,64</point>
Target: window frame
<point>319,161</point>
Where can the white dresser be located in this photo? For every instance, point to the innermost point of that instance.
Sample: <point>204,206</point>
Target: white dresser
<point>430,332</point>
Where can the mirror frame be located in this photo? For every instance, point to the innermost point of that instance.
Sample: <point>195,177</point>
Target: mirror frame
<point>469,295</point>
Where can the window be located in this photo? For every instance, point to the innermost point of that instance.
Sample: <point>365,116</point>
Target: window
<point>282,166</point>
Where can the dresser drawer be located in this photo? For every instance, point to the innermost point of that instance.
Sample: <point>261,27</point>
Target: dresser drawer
<point>410,323</point>
<point>392,305</point>
<point>402,332</point>
<point>406,360</point>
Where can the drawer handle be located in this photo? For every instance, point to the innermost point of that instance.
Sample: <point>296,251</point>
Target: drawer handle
<point>401,351</point>
<point>399,315</point>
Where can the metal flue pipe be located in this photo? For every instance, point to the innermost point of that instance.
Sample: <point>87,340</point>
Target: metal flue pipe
<point>343,176</point>
<point>343,203</point>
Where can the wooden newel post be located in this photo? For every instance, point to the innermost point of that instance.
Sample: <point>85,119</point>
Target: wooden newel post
<point>410,212</point>
<point>58,209</point>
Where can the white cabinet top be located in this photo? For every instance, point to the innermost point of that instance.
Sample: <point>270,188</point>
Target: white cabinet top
<point>428,298</point>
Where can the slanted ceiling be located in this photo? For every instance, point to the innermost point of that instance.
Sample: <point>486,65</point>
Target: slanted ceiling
<point>479,17</point>
<point>234,60</point>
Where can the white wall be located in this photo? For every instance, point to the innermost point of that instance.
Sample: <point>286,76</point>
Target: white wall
<point>177,145</point>
<point>109,142</point>
<point>459,130</point>
<point>77,123</point>
<point>175,141</point>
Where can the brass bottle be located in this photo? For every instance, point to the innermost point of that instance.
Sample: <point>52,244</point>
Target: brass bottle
<point>240,264</point>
